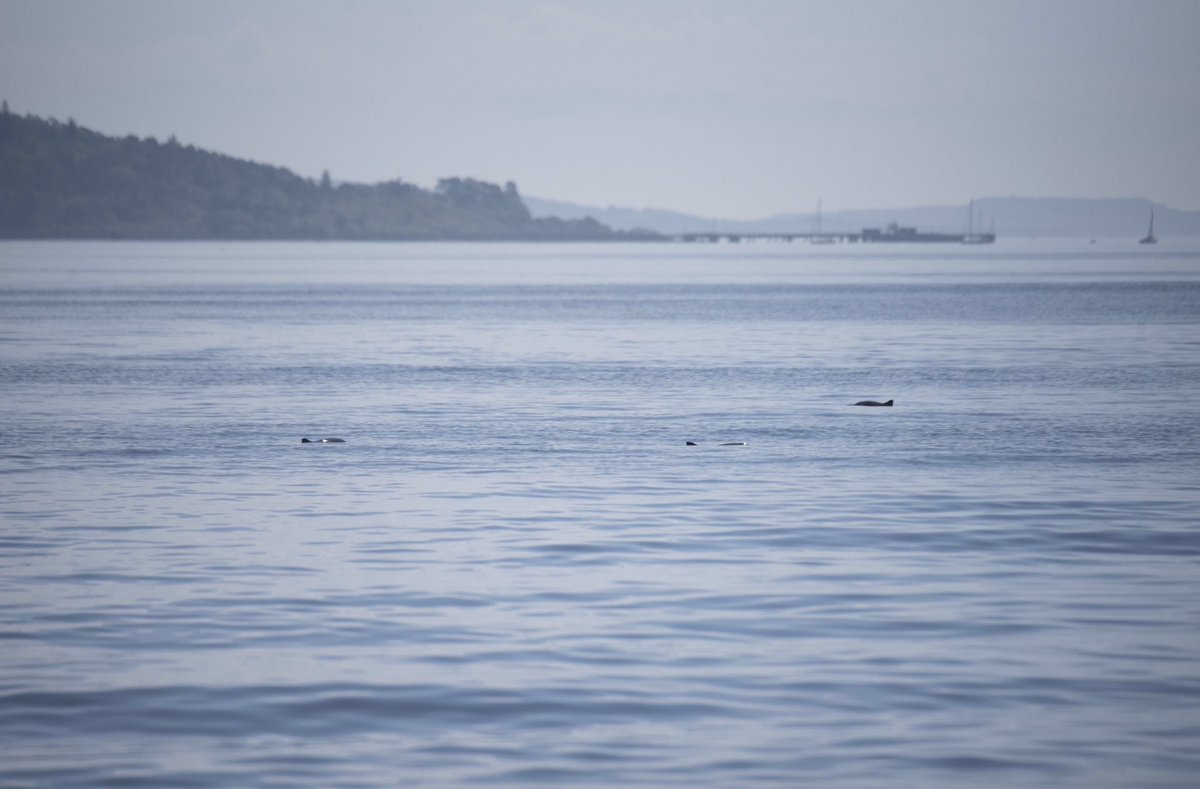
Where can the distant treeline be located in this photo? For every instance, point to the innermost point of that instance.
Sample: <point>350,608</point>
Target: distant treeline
<point>61,180</point>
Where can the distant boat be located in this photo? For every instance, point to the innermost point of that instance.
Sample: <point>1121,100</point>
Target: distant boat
<point>1150,239</point>
<point>972,237</point>
<point>895,234</point>
<point>818,237</point>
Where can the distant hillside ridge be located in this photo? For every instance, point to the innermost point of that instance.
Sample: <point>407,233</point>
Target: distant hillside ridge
<point>61,180</point>
<point>1011,216</point>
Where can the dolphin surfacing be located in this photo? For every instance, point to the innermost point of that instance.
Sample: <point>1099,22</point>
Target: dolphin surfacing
<point>323,441</point>
<point>874,402</point>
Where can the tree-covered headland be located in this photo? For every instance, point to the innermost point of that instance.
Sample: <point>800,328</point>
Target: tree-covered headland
<point>61,180</point>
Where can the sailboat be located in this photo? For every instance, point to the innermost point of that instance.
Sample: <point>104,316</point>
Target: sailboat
<point>1150,239</point>
<point>973,237</point>
<point>818,237</point>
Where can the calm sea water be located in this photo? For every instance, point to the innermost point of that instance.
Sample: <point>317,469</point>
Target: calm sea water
<point>515,573</point>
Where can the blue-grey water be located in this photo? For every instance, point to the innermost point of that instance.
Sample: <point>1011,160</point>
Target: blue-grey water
<point>515,572</point>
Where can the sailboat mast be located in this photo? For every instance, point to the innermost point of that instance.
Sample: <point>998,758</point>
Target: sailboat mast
<point>1150,239</point>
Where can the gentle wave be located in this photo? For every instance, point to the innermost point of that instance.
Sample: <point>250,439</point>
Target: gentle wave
<point>516,571</point>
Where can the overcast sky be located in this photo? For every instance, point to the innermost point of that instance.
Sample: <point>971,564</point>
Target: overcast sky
<point>725,108</point>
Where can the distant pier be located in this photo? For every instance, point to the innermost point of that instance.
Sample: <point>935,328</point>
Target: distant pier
<point>892,234</point>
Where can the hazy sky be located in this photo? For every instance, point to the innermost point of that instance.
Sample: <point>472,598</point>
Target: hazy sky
<point>729,108</point>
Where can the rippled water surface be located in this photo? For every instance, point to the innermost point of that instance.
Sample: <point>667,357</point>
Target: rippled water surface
<point>515,572</point>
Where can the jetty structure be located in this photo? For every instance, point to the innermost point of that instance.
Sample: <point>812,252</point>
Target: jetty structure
<point>891,234</point>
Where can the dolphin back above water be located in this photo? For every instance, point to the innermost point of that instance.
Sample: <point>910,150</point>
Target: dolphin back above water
<point>323,441</point>
<point>874,402</point>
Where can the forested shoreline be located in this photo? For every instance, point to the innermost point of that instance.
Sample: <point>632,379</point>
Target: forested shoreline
<point>61,180</point>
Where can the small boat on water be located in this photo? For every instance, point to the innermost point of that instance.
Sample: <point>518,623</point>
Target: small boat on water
<point>818,237</point>
<point>973,236</point>
<point>1150,239</point>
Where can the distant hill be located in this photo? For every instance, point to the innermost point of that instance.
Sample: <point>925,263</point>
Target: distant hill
<point>61,180</point>
<point>1012,216</point>
<point>652,219</point>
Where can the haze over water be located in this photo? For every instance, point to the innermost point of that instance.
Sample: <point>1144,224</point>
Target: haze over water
<point>514,572</point>
<point>725,110</point>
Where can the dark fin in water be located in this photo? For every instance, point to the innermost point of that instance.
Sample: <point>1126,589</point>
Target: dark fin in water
<point>692,444</point>
<point>874,402</point>
<point>734,444</point>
